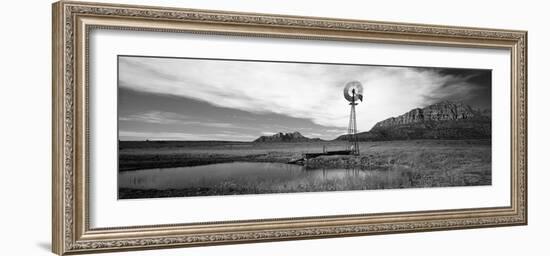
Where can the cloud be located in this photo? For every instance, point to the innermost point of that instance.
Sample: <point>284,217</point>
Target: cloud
<point>308,91</point>
<point>167,118</point>
<point>155,117</point>
<point>135,135</point>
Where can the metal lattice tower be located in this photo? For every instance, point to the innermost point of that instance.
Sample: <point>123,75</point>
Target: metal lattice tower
<point>352,129</point>
<point>353,92</point>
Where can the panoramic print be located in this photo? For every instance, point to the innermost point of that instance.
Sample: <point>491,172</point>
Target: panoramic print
<point>215,127</point>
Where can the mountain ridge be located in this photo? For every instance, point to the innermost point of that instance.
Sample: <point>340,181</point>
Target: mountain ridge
<point>441,111</point>
<point>442,120</point>
<point>285,137</point>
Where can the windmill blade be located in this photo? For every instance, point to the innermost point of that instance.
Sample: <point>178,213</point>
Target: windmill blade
<point>348,96</point>
<point>353,91</point>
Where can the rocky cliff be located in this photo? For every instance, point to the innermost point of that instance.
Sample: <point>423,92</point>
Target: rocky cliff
<point>443,111</point>
<point>444,120</point>
<point>285,137</point>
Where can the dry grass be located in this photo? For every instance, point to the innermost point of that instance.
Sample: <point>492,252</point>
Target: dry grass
<point>391,164</point>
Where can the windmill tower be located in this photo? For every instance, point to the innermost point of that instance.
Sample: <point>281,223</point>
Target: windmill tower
<point>353,92</point>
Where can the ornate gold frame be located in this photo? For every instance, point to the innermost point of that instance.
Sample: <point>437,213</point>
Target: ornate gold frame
<point>72,22</point>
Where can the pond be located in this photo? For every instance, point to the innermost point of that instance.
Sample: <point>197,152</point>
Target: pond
<point>239,178</point>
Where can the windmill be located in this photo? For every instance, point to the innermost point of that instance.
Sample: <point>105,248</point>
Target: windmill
<point>353,91</point>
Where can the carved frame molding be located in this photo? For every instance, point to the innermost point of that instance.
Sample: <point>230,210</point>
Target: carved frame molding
<point>72,22</point>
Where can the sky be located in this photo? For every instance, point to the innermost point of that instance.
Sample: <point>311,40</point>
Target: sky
<point>240,100</point>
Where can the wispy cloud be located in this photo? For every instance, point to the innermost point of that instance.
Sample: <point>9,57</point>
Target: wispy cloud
<point>155,117</point>
<point>309,91</point>
<point>336,131</point>
<point>159,117</point>
<point>133,135</point>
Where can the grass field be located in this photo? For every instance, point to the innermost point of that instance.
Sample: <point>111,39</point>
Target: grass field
<point>395,164</point>
<point>146,155</point>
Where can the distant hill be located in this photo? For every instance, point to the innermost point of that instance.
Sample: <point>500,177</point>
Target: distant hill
<point>286,137</point>
<point>444,120</point>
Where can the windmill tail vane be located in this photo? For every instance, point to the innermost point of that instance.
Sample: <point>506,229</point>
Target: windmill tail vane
<point>353,92</point>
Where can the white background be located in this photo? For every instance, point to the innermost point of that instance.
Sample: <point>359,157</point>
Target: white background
<point>25,103</point>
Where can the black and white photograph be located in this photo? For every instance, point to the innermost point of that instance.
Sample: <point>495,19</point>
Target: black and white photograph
<point>211,127</point>
<point>200,127</point>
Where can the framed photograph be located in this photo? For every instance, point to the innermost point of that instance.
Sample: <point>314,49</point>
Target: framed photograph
<point>179,127</point>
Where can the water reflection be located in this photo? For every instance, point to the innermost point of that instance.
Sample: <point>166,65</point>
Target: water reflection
<point>239,173</point>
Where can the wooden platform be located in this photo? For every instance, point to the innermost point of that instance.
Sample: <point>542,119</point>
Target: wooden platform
<point>307,156</point>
